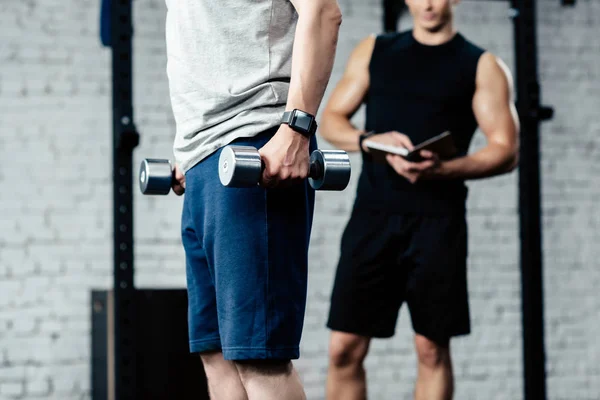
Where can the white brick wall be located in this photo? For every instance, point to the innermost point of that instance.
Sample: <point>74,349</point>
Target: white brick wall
<point>55,241</point>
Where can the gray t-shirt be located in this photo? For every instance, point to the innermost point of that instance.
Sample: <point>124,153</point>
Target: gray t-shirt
<point>229,68</point>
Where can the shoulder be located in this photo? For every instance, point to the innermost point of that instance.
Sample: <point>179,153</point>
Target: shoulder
<point>366,47</point>
<point>398,40</point>
<point>492,66</point>
<point>367,43</point>
<point>472,55</point>
<point>492,71</point>
<point>361,54</point>
<point>472,48</point>
<point>483,63</point>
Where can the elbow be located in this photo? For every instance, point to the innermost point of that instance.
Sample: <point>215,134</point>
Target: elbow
<point>327,11</point>
<point>513,161</point>
<point>324,130</point>
<point>333,14</point>
<point>506,155</point>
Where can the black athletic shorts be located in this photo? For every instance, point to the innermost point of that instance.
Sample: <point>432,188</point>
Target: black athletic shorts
<point>387,259</point>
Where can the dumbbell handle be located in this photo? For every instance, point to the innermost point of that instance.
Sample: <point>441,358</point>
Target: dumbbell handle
<point>315,169</point>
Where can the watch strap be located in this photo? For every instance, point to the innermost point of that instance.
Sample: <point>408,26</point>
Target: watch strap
<point>288,118</point>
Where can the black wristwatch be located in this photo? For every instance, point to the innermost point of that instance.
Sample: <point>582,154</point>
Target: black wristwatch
<point>300,121</point>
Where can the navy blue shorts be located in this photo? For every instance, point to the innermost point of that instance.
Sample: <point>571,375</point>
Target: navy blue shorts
<point>246,262</point>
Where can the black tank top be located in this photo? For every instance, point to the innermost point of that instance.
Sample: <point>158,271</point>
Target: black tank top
<point>421,91</point>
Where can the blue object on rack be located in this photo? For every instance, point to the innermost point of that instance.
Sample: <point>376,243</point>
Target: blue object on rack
<point>105,12</point>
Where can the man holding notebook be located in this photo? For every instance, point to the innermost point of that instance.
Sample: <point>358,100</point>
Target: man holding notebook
<point>406,240</point>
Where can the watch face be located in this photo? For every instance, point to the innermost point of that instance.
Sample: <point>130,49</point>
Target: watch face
<point>302,121</point>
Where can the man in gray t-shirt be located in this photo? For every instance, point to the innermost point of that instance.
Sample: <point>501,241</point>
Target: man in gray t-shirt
<point>234,68</point>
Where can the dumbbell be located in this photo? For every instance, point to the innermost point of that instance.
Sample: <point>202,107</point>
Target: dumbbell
<point>241,166</point>
<point>156,176</point>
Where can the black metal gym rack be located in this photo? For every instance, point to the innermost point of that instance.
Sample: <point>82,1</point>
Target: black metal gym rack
<point>125,139</point>
<point>531,114</point>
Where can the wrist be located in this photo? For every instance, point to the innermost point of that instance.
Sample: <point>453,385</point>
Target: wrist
<point>362,135</point>
<point>292,135</point>
<point>443,170</point>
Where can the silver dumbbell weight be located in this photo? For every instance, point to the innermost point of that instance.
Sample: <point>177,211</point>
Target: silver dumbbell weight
<point>156,176</point>
<point>241,166</point>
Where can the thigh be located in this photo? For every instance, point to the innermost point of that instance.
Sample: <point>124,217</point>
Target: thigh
<point>437,285</point>
<point>202,303</point>
<point>369,286</point>
<point>256,243</point>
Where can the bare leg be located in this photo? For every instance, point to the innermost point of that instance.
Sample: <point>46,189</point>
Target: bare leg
<point>435,380</point>
<point>223,379</point>
<point>270,380</point>
<point>346,379</point>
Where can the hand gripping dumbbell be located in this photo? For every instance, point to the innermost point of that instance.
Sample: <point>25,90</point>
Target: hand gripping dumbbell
<point>241,166</point>
<point>156,176</point>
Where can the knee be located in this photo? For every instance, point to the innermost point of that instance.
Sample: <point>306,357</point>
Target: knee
<point>216,367</point>
<point>430,353</point>
<point>346,350</point>
<point>212,360</point>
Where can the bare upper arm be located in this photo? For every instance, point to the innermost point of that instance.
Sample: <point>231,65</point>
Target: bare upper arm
<point>350,91</point>
<point>493,102</point>
<point>315,5</point>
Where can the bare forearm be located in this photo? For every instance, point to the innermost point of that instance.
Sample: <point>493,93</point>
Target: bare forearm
<point>313,55</point>
<point>494,159</point>
<point>338,131</point>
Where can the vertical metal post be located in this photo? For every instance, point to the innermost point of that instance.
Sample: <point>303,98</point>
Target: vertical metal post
<point>530,212</point>
<point>125,138</point>
<point>389,16</point>
<point>392,10</point>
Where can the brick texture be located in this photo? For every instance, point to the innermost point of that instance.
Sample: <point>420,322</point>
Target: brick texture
<point>55,240</point>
